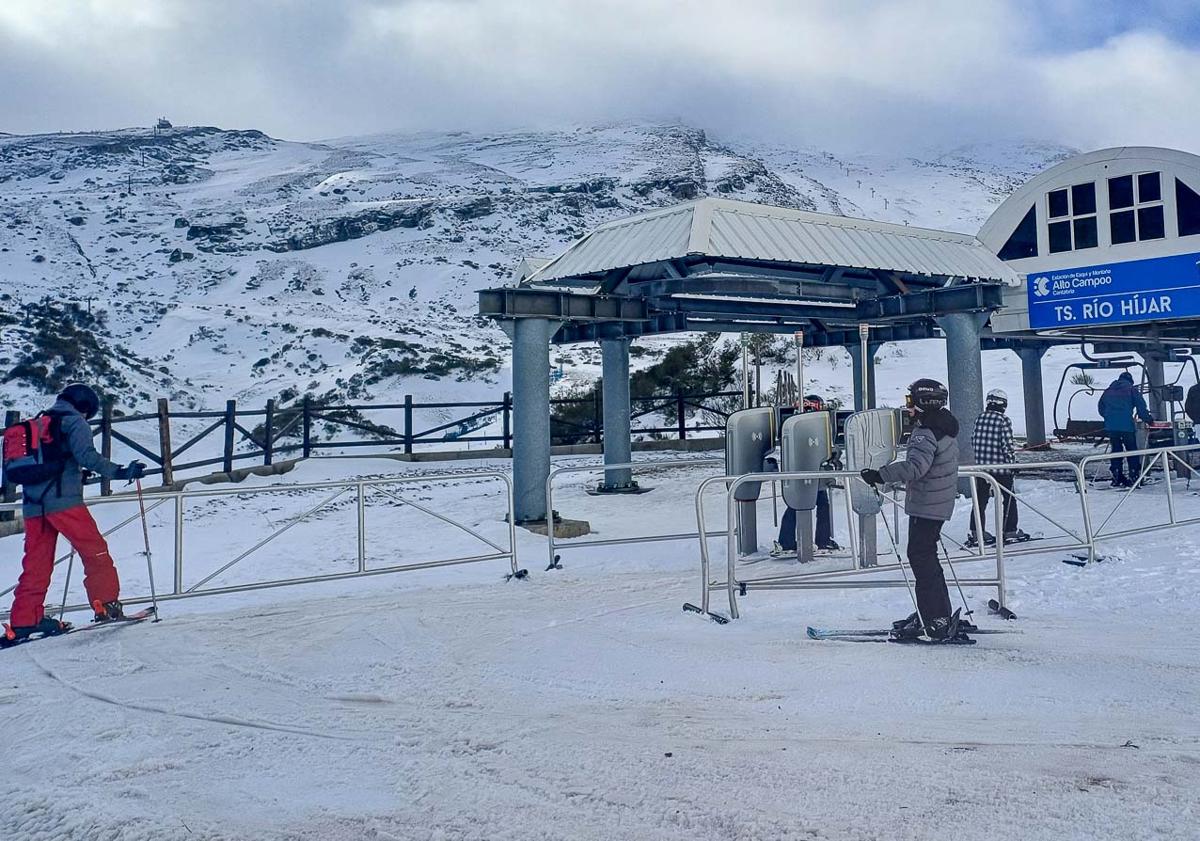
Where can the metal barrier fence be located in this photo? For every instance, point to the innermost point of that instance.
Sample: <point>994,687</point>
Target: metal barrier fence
<point>817,579</point>
<point>1075,540</point>
<point>553,545</point>
<point>339,489</point>
<point>1082,538</point>
<point>1167,459</point>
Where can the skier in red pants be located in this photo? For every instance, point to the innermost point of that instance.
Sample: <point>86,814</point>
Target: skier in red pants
<point>55,506</point>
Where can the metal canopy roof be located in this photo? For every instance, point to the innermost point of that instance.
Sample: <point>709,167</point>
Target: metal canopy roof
<point>743,231</point>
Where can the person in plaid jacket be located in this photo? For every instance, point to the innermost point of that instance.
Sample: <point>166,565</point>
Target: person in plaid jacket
<point>992,440</point>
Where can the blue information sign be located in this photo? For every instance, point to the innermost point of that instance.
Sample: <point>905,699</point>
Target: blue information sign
<point>1140,290</point>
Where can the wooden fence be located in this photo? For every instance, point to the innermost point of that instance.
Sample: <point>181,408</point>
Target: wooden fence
<point>303,428</point>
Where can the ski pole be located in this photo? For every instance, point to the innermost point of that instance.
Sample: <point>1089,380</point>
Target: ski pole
<point>912,593</point>
<point>149,557</point>
<point>62,611</point>
<point>946,554</point>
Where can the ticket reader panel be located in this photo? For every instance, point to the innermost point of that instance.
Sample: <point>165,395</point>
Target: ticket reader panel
<point>807,443</point>
<point>749,436</point>
<point>872,439</point>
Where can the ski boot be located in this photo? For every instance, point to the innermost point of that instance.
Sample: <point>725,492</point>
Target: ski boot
<point>829,546</point>
<point>944,629</point>
<point>972,541</point>
<point>949,629</point>
<point>1017,536</point>
<point>47,627</point>
<point>909,627</point>
<point>108,611</point>
<point>776,550</point>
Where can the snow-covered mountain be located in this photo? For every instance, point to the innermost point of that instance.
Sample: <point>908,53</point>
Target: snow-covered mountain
<point>203,264</point>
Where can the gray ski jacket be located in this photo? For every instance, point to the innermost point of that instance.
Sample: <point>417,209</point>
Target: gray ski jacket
<point>929,469</point>
<point>59,495</point>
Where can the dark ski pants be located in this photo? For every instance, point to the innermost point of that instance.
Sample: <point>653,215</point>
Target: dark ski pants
<point>41,539</point>
<point>824,529</point>
<point>1124,442</point>
<point>933,599</point>
<point>983,492</point>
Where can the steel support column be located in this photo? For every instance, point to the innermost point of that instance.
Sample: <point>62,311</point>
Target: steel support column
<point>531,415</point>
<point>1035,399</point>
<point>856,355</point>
<point>964,365</point>
<point>615,386</point>
<point>1153,360</point>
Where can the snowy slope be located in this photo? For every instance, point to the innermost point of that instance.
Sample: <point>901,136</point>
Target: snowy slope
<point>583,704</point>
<point>220,264</point>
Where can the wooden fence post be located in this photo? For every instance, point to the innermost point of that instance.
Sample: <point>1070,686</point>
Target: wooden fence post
<point>8,492</point>
<point>269,433</point>
<point>106,419</point>
<point>306,448</point>
<point>508,420</point>
<point>230,421</point>
<point>681,420</point>
<point>408,424</point>
<point>164,441</point>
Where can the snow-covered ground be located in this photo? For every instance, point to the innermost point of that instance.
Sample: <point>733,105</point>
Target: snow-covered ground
<point>583,704</point>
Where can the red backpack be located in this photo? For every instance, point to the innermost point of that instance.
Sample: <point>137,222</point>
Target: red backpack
<point>34,450</point>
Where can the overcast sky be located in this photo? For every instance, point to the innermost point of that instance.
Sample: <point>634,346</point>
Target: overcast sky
<point>844,74</point>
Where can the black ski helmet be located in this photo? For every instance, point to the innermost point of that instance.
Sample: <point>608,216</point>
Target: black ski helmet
<point>83,398</point>
<point>925,395</point>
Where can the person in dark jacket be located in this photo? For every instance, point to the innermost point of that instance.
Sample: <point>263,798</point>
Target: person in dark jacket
<point>1117,406</point>
<point>56,507</point>
<point>992,441</point>
<point>929,472</point>
<point>787,524</point>
<point>1191,405</point>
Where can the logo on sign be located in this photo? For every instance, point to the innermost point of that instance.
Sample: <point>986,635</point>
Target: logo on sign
<point>1041,286</point>
<point>756,436</point>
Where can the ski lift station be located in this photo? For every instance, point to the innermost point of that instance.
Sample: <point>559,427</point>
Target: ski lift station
<point>1102,248</point>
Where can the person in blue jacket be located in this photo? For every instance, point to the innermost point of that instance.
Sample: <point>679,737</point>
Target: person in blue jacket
<point>1117,406</point>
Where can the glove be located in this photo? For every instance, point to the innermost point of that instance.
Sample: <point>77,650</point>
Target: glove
<point>871,476</point>
<point>131,471</point>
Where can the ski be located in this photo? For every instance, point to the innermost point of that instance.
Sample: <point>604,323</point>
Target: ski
<point>1029,538</point>
<point>878,633</point>
<point>885,637</point>
<point>130,619</point>
<point>956,640</point>
<point>688,607</point>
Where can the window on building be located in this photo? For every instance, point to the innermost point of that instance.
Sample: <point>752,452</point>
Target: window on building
<point>1023,242</point>
<point>1187,206</point>
<point>1123,227</point>
<point>1072,214</point>
<point>1149,187</point>
<point>1120,192</point>
<point>1150,222</point>
<point>1135,202</point>
<point>1060,237</point>
<point>1059,204</point>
